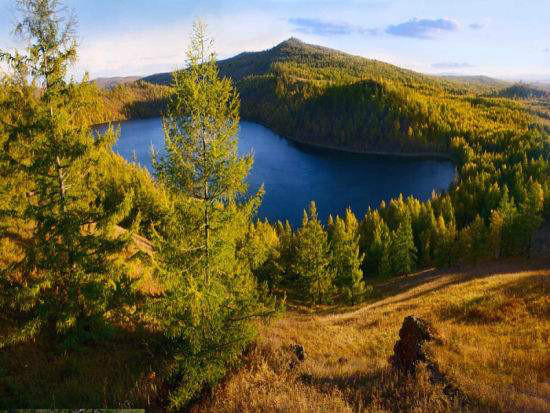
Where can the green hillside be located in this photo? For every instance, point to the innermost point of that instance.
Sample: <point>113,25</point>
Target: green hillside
<point>322,96</point>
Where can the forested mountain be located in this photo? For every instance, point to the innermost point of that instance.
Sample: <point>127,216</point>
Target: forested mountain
<point>475,80</point>
<point>110,82</point>
<point>525,91</point>
<point>323,96</point>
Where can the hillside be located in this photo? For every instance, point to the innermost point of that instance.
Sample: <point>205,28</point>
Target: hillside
<point>110,82</point>
<point>491,319</point>
<point>475,80</point>
<point>322,96</point>
<point>493,336</point>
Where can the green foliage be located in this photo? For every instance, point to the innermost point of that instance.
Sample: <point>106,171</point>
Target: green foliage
<point>68,277</point>
<point>402,249</point>
<point>135,100</point>
<point>311,258</point>
<point>473,242</point>
<point>346,259</point>
<point>263,251</point>
<point>210,295</point>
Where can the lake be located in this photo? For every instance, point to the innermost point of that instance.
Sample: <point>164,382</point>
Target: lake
<point>294,174</point>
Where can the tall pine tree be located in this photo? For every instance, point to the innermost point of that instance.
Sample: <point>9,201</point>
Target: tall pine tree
<point>346,259</point>
<point>312,257</point>
<point>69,279</point>
<point>210,294</point>
<point>402,248</point>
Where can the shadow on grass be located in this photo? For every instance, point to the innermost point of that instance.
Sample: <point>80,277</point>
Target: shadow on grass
<point>386,288</point>
<point>121,372</point>
<point>529,296</point>
<point>457,276</point>
<point>387,390</point>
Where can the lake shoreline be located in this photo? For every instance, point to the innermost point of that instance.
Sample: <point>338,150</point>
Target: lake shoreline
<point>437,156</point>
<point>421,156</point>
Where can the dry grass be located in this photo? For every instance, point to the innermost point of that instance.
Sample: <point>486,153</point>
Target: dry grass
<point>493,321</point>
<point>494,325</point>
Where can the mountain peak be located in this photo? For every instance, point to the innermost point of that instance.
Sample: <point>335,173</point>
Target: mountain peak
<point>291,41</point>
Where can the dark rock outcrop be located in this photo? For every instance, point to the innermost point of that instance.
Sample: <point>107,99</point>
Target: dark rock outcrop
<point>299,351</point>
<point>409,350</point>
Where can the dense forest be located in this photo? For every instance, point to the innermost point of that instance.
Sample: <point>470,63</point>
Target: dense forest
<point>97,253</point>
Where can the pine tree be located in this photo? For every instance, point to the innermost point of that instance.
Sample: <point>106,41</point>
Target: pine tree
<point>262,249</point>
<point>286,251</point>
<point>346,259</point>
<point>210,295</point>
<point>402,249</point>
<point>495,233</point>
<point>473,241</point>
<point>530,214</point>
<point>378,257</point>
<point>511,226</point>
<point>312,257</point>
<point>424,230</point>
<point>71,279</point>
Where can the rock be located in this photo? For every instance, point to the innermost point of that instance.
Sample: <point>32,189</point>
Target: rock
<point>409,349</point>
<point>299,351</point>
<point>342,360</point>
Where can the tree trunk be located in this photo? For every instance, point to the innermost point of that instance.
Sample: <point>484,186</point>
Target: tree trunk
<point>206,234</point>
<point>61,182</point>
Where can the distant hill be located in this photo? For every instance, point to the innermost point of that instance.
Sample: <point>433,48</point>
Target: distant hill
<point>525,91</point>
<point>476,80</point>
<point>110,82</point>
<point>294,50</point>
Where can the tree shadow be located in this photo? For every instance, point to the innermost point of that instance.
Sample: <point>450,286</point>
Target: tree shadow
<point>506,301</point>
<point>120,372</point>
<point>457,276</point>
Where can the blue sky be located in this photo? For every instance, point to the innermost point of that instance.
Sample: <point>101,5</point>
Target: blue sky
<point>500,38</point>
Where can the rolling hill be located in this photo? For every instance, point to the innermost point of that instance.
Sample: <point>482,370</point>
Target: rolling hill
<point>110,82</point>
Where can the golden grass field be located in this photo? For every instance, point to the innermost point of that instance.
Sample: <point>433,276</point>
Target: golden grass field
<point>493,321</point>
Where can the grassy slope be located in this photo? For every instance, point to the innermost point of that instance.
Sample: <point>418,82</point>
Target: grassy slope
<point>492,319</point>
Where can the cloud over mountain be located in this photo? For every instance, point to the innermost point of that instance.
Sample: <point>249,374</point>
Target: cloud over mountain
<point>327,28</point>
<point>423,28</point>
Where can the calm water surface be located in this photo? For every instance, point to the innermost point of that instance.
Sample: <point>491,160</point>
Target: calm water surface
<point>295,174</point>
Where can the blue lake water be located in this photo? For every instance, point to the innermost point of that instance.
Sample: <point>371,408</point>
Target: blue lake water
<point>294,174</point>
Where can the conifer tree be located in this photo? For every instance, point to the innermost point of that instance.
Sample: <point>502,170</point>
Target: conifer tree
<point>286,251</point>
<point>70,280</point>
<point>444,243</point>
<point>509,229</point>
<point>495,233</point>
<point>263,252</point>
<point>346,259</point>
<point>210,295</point>
<point>402,249</point>
<point>424,230</point>
<point>531,213</point>
<point>312,257</point>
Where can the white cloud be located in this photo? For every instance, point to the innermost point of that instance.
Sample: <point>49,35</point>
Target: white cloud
<point>157,49</point>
